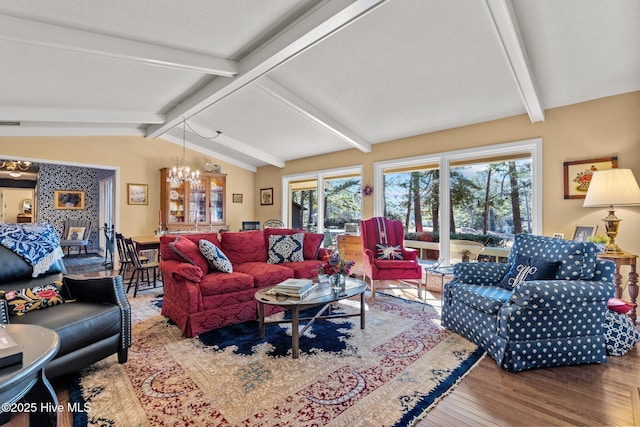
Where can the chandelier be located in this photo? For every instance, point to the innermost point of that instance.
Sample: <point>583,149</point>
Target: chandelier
<point>180,172</point>
<point>15,167</point>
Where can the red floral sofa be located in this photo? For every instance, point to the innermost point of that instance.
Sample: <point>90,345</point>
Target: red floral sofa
<point>199,298</point>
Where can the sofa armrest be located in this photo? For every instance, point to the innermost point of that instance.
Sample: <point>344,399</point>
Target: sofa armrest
<point>182,285</point>
<point>102,289</point>
<point>479,273</point>
<point>555,294</point>
<point>186,271</point>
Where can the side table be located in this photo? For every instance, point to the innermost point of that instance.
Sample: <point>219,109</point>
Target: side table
<point>621,259</point>
<point>27,380</point>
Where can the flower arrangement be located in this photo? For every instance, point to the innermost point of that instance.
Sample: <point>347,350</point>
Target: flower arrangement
<point>335,263</point>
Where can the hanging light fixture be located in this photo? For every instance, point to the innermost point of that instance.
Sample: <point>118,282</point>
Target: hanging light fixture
<point>180,172</point>
<point>15,167</point>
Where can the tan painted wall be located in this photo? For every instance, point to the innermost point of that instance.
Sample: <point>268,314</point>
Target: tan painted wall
<point>600,128</point>
<point>11,199</point>
<point>139,161</point>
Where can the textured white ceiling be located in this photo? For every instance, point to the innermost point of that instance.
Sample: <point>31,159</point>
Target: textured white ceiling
<point>301,78</point>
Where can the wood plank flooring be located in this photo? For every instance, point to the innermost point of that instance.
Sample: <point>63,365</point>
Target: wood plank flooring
<point>585,395</point>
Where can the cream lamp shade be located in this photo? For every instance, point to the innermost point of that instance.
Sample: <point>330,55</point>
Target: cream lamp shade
<point>612,187</point>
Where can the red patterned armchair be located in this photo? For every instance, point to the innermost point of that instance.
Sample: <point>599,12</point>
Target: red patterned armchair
<point>385,257</point>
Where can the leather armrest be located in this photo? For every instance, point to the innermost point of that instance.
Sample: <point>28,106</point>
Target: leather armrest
<point>102,289</point>
<point>4,312</point>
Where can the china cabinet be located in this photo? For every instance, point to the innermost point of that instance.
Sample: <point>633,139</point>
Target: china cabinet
<point>187,207</point>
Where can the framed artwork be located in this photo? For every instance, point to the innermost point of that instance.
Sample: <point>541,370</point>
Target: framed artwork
<point>558,235</point>
<point>138,194</point>
<point>577,175</point>
<point>237,198</point>
<point>583,232</point>
<point>68,199</point>
<point>266,196</point>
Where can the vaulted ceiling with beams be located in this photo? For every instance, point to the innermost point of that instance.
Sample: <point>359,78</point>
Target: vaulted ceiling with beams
<point>287,79</point>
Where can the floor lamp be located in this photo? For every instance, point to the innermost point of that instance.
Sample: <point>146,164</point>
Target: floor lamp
<point>612,187</point>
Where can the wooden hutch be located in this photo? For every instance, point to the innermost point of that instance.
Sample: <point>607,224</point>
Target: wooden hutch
<point>185,205</point>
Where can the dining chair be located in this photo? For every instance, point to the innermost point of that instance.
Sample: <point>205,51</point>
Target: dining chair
<point>124,259</point>
<point>140,269</point>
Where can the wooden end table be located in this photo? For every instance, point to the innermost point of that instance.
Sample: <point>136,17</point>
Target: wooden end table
<point>323,296</point>
<point>621,259</point>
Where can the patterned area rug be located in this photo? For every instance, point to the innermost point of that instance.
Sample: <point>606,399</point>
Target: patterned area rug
<point>389,373</point>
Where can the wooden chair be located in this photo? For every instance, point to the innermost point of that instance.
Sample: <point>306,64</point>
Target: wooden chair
<point>139,267</point>
<point>76,232</point>
<point>273,223</point>
<point>124,259</point>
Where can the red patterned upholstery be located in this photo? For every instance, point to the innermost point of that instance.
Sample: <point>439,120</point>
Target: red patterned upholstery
<point>198,301</point>
<point>390,233</point>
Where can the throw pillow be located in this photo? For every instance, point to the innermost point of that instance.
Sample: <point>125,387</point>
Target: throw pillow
<point>217,259</point>
<point>529,268</point>
<point>619,305</point>
<point>620,334</point>
<point>286,248</point>
<point>42,296</point>
<point>188,250</point>
<point>75,233</point>
<point>392,253</point>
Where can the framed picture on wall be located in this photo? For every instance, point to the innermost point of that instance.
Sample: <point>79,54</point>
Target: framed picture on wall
<point>68,199</point>
<point>266,196</point>
<point>583,232</point>
<point>577,175</point>
<point>138,194</point>
<point>237,197</point>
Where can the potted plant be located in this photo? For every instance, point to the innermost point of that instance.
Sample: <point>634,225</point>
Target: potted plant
<point>600,240</point>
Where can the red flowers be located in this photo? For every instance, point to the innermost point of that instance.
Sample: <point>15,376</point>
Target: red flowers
<point>334,264</point>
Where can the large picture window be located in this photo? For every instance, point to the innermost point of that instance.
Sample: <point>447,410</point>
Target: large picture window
<point>329,211</point>
<point>489,194</point>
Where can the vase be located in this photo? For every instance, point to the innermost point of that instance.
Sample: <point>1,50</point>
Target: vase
<point>338,281</point>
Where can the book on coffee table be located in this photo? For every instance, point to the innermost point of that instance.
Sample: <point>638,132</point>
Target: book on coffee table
<point>10,353</point>
<point>295,288</point>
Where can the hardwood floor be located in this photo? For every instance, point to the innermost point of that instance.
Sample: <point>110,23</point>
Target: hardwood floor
<point>584,395</point>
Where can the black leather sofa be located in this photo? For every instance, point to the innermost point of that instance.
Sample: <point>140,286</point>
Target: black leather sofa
<point>96,325</point>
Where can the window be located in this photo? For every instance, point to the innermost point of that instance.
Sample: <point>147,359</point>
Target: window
<point>326,211</point>
<point>490,193</point>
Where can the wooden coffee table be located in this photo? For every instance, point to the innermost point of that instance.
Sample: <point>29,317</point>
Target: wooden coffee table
<point>323,296</point>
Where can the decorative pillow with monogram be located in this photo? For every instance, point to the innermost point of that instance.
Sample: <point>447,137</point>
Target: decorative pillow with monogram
<point>529,268</point>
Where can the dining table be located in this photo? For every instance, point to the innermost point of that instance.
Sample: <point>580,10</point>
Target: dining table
<point>147,243</point>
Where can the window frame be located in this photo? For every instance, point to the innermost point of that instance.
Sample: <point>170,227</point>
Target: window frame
<point>320,177</point>
<point>531,147</point>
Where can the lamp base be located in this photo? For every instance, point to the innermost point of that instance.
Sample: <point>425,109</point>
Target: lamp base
<point>612,248</point>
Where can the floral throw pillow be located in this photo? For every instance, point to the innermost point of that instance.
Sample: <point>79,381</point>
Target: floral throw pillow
<point>392,253</point>
<point>286,248</point>
<point>217,259</point>
<point>22,301</point>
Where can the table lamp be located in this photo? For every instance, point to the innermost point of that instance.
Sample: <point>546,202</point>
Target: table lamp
<point>612,187</point>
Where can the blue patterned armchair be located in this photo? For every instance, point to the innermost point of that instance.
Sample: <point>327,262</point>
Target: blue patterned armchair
<point>545,307</point>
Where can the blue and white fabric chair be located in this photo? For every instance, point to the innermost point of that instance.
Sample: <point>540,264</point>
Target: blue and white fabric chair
<point>545,307</point>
